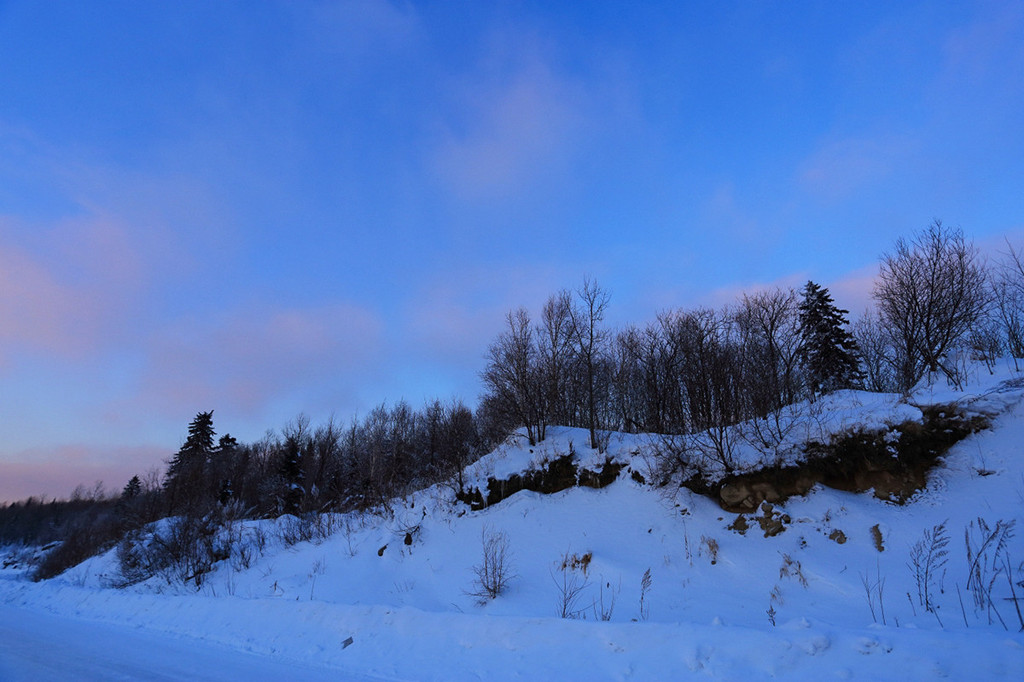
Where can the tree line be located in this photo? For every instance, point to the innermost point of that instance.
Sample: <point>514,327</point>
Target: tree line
<point>937,304</point>
<point>694,371</point>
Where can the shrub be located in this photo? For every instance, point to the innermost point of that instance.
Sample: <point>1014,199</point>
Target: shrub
<point>927,557</point>
<point>494,573</point>
<point>184,550</point>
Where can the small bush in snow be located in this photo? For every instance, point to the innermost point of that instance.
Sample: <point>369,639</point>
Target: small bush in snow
<point>791,568</point>
<point>603,610</point>
<point>986,547</point>
<point>927,557</point>
<point>494,573</point>
<point>183,549</point>
<point>874,592</point>
<point>709,547</point>
<point>571,586</point>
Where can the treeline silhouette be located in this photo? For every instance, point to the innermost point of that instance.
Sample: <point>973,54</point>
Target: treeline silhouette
<point>938,307</point>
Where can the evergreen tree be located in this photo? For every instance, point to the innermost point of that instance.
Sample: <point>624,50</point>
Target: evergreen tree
<point>829,353</point>
<point>132,489</point>
<point>127,505</point>
<point>222,467</point>
<point>199,443</point>
<point>292,477</point>
<point>184,482</point>
<point>227,444</point>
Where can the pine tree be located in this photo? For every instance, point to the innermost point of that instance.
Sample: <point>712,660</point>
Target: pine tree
<point>199,443</point>
<point>132,489</point>
<point>222,466</point>
<point>184,482</point>
<point>127,505</point>
<point>829,353</point>
<point>292,477</point>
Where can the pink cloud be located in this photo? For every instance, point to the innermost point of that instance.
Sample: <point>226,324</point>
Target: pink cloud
<point>244,360</point>
<point>57,471</point>
<point>35,309</point>
<point>730,294</point>
<point>853,290</point>
<point>61,296</point>
<point>74,286</point>
<point>462,312</point>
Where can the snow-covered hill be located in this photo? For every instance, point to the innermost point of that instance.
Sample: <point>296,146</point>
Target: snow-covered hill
<point>833,595</point>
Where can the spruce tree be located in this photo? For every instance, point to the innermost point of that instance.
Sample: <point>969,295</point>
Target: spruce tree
<point>184,482</point>
<point>829,353</point>
<point>132,489</point>
<point>127,505</point>
<point>292,477</point>
<point>222,467</point>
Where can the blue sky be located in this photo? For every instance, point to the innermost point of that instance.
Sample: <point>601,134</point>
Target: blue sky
<point>272,208</point>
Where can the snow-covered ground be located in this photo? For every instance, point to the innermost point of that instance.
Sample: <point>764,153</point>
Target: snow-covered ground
<point>720,604</point>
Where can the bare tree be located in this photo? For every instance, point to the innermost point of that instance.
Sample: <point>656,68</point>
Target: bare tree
<point>879,359</point>
<point>712,373</point>
<point>1008,294</point>
<point>590,338</point>
<point>454,440</point>
<point>628,385</point>
<point>555,350</point>
<point>512,376</point>
<point>769,328</point>
<point>494,572</point>
<point>930,293</point>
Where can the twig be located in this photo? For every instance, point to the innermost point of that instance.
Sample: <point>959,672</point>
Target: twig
<point>1013,592</point>
<point>962,610</point>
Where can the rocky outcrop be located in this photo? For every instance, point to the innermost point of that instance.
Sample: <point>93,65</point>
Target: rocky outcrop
<point>892,462</point>
<point>555,476</point>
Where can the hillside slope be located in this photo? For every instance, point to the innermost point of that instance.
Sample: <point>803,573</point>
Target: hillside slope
<point>785,597</point>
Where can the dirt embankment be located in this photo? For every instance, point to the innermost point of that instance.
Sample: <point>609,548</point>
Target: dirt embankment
<point>893,462</point>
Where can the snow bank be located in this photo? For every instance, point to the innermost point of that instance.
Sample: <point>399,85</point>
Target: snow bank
<point>721,604</point>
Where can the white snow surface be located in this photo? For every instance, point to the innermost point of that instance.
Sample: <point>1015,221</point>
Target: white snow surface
<point>410,615</point>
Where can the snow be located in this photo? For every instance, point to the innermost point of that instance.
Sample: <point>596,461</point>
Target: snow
<point>40,647</point>
<point>410,615</point>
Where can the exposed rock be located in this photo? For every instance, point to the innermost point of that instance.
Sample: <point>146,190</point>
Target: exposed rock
<point>609,472</point>
<point>893,462</point>
<point>557,475</point>
<point>736,496</point>
<point>876,537</point>
<point>740,525</point>
<point>771,521</point>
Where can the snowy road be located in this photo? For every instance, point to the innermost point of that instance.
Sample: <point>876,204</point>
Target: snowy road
<point>40,647</point>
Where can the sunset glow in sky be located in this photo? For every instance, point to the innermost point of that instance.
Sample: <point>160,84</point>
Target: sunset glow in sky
<point>267,208</point>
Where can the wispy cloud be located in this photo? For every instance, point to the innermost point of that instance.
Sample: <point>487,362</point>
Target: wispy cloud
<point>57,470</point>
<point>723,210</point>
<point>81,279</point>
<point>517,127</point>
<point>459,313</point>
<point>853,290</point>
<point>243,360</point>
<point>361,26</point>
<point>840,168</point>
<point>988,47</point>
